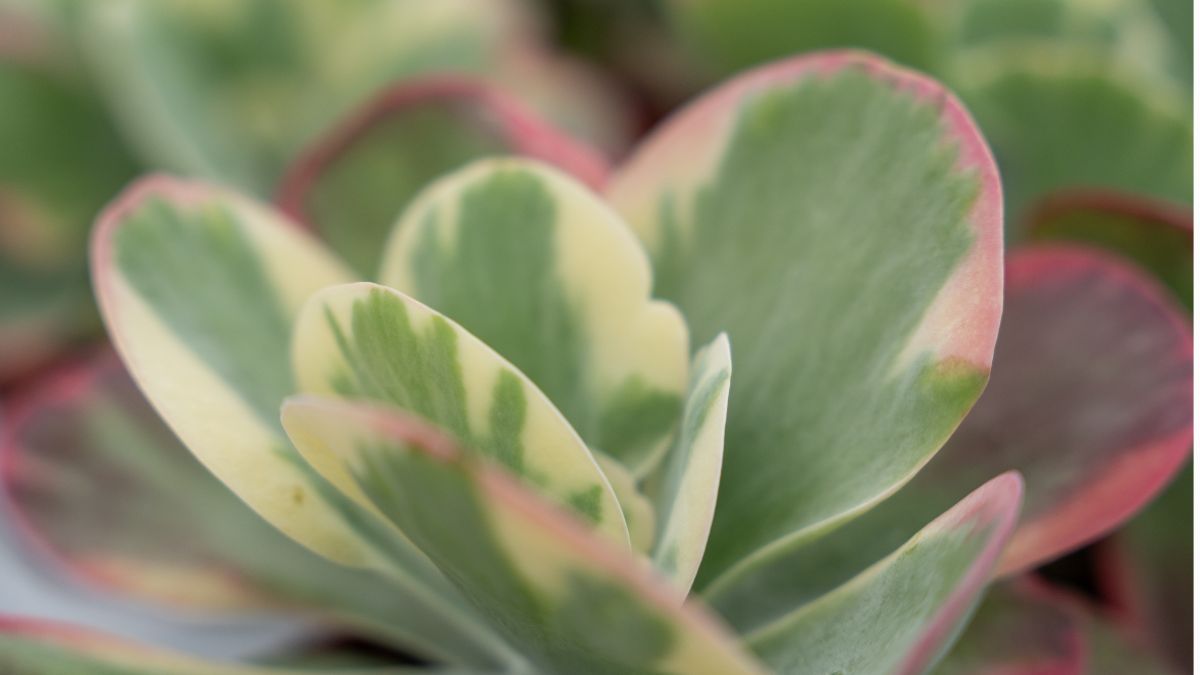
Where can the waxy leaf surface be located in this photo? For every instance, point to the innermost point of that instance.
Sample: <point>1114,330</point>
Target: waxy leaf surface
<point>840,218</point>
<point>356,180</point>
<point>568,599</point>
<point>899,615</point>
<point>549,276</point>
<point>686,495</point>
<point>96,480</point>
<point>370,342</point>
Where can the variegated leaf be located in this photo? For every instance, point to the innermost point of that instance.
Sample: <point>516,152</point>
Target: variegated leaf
<point>686,495</point>
<point>569,600</point>
<point>899,615</point>
<point>96,480</point>
<point>545,273</point>
<point>840,217</point>
<point>199,288</point>
<point>1095,442</point>
<point>371,342</point>
<point>357,179</point>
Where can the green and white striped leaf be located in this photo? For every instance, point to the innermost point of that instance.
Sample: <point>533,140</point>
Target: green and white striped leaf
<point>370,342</point>
<point>840,218</point>
<point>567,599</point>
<point>901,614</point>
<point>536,266</point>
<point>687,495</point>
<point>199,288</point>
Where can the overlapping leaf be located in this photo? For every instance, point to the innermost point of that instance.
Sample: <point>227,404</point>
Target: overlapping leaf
<point>366,341</point>
<point>546,274</point>
<point>199,288</point>
<point>901,614</point>
<point>840,218</point>
<point>566,598</point>
<point>354,183</point>
<point>99,482</point>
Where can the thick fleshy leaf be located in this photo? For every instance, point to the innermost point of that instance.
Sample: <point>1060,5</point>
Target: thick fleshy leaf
<point>98,482</point>
<point>1156,235</point>
<point>729,35</point>
<point>1058,119</point>
<point>354,182</point>
<point>371,342</point>
<point>549,276</point>
<point>687,493</point>
<point>1090,399</point>
<point>899,615</point>
<point>30,647</point>
<point>840,218</point>
<point>567,599</point>
<point>1147,573</point>
<point>1020,628</point>
<point>229,89</point>
<point>199,287</point>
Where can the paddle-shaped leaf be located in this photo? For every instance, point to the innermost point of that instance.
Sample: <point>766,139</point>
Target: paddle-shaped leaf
<point>1156,235</point>
<point>355,181</point>
<point>546,274</point>
<point>366,341</point>
<point>99,482</point>
<point>840,218</point>
<point>899,615</point>
<point>1090,399</point>
<point>687,492</point>
<point>567,599</point>
<point>198,287</point>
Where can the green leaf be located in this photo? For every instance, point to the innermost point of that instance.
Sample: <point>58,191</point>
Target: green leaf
<point>687,492</point>
<point>1155,235</point>
<point>199,288</point>
<point>546,274</point>
<point>176,535</point>
<point>371,342</point>
<point>569,600</point>
<point>899,615</point>
<point>353,183</point>
<point>1059,118</point>
<point>840,218</point>
<point>1095,442</point>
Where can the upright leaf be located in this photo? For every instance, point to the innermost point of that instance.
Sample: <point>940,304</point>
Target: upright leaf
<point>840,218</point>
<point>371,342</point>
<point>545,273</point>
<point>355,181</point>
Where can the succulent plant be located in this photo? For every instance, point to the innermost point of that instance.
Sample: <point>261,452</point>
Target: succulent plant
<point>565,432</point>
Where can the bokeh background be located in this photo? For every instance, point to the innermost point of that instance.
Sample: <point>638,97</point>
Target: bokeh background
<point>1087,105</point>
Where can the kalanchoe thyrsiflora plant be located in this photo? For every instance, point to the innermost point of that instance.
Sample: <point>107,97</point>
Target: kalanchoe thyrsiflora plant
<point>838,217</point>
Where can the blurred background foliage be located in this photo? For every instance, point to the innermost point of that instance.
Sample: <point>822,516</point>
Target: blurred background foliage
<point>1087,105</point>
